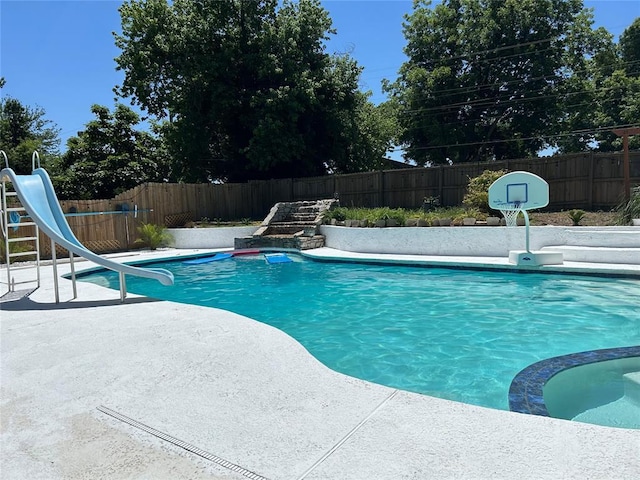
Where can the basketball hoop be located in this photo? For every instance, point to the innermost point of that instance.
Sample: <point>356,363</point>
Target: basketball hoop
<point>511,215</point>
<point>518,192</point>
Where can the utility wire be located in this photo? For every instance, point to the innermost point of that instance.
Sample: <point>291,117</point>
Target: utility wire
<point>517,139</point>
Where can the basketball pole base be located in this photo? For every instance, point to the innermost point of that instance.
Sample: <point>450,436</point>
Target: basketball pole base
<point>522,257</point>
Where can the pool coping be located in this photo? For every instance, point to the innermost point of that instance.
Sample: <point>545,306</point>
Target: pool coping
<point>476,263</point>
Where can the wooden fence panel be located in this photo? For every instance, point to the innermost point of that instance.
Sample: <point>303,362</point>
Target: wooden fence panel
<point>360,189</point>
<point>407,188</point>
<point>232,201</point>
<point>314,188</point>
<point>608,180</point>
<point>268,192</point>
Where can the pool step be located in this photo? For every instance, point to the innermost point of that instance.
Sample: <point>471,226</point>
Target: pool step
<point>604,238</point>
<point>583,253</point>
<point>632,386</point>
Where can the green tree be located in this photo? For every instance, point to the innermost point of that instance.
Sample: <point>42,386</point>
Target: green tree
<point>489,79</point>
<point>630,49</point>
<point>24,129</point>
<point>369,133</point>
<point>246,86</point>
<point>617,86</point>
<point>110,156</point>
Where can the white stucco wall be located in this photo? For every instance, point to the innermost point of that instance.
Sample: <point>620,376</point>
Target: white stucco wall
<point>218,237</point>
<point>472,241</point>
<point>451,241</point>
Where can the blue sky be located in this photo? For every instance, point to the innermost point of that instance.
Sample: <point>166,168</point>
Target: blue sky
<point>58,55</point>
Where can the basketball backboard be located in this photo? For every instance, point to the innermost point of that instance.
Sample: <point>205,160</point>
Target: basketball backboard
<point>519,191</point>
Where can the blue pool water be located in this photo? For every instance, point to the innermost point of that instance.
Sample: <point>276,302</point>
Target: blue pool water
<point>455,334</point>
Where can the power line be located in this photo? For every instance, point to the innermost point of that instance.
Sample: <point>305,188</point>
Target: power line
<point>518,139</point>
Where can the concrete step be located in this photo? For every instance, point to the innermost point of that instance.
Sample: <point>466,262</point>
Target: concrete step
<point>583,253</point>
<point>603,238</point>
<point>631,382</point>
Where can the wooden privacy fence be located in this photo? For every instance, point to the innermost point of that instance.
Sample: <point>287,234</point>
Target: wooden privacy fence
<point>588,181</point>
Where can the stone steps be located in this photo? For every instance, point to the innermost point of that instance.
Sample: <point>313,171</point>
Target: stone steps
<point>289,229</point>
<point>301,217</point>
<point>279,241</point>
<point>289,225</point>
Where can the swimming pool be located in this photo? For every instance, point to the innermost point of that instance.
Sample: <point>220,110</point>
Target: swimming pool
<point>450,333</point>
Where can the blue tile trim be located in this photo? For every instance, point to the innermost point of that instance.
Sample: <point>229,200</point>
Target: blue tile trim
<point>525,392</point>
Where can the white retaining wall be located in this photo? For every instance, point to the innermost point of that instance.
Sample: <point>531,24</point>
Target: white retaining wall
<point>451,241</point>
<point>472,241</point>
<point>215,237</point>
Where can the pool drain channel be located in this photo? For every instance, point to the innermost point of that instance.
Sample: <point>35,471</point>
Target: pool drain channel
<point>179,443</point>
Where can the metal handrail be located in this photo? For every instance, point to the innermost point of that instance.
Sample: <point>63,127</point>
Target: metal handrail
<point>35,157</point>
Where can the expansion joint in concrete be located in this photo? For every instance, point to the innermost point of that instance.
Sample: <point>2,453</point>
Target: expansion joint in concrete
<point>348,435</point>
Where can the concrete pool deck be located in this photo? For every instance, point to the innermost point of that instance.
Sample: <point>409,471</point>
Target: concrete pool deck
<point>89,386</point>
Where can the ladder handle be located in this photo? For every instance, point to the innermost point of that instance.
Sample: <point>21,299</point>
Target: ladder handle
<point>35,157</point>
<point>6,160</point>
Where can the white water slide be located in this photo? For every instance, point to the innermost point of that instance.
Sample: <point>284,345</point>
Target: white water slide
<point>39,200</point>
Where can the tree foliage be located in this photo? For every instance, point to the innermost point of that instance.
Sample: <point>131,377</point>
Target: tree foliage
<point>617,91</point>
<point>246,87</point>
<point>110,156</point>
<point>24,129</point>
<point>492,79</point>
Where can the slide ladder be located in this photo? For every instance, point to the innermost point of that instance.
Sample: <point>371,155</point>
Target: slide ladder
<point>41,204</point>
<point>13,233</point>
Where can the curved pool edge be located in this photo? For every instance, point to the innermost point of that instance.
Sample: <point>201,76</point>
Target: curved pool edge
<point>526,389</point>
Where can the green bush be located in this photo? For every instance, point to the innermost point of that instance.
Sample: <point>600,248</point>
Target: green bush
<point>153,236</point>
<point>627,211</point>
<point>576,215</point>
<point>338,214</point>
<point>477,196</point>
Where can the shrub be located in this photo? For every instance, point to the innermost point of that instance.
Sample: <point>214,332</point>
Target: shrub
<point>627,211</point>
<point>152,236</point>
<point>477,196</point>
<point>576,215</point>
<point>339,214</point>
